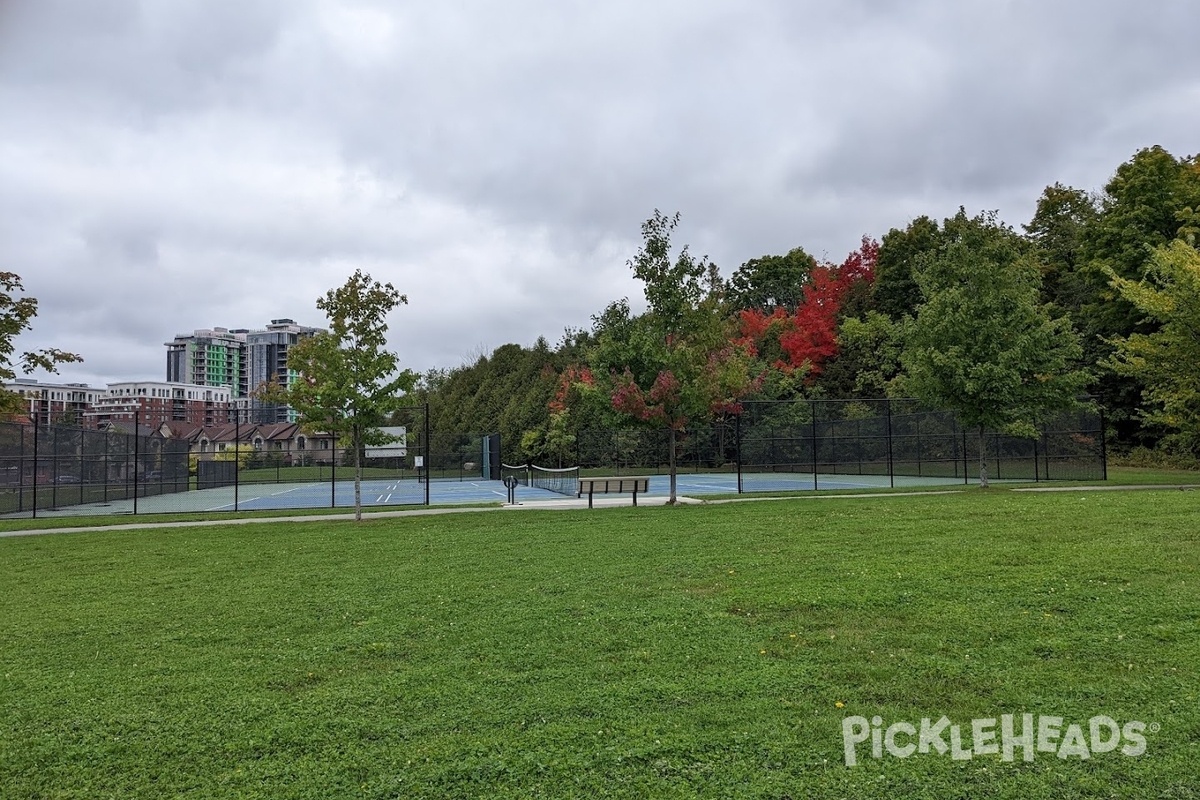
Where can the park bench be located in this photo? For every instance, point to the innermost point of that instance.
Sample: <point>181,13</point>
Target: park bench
<point>592,486</point>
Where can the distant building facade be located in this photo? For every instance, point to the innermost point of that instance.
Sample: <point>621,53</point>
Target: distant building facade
<point>281,443</point>
<point>60,402</point>
<point>242,360</point>
<point>268,351</point>
<point>209,357</point>
<point>153,403</point>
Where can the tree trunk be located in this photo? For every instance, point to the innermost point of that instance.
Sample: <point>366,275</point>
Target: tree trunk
<point>357,479</point>
<point>671,462</point>
<point>983,479</point>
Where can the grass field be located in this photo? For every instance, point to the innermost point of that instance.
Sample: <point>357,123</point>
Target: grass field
<point>693,652</point>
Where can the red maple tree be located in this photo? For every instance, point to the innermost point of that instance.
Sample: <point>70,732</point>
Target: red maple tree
<point>807,338</point>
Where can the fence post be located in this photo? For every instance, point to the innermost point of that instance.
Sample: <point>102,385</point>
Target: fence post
<point>35,464</point>
<point>920,459</point>
<point>107,453</point>
<point>995,445</point>
<point>237,460</point>
<point>964,452</point>
<point>1035,457</point>
<point>1103,448</point>
<point>428,454</point>
<point>812,407</point>
<point>333,469</point>
<point>737,436</point>
<point>136,455</point>
<point>891,464</point>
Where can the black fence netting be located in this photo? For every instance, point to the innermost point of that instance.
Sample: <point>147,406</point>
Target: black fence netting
<point>52,468</point>
<point>823,439</point>
<point>47,466</point>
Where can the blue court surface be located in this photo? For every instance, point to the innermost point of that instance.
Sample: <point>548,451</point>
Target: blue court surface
<point>410,492</point>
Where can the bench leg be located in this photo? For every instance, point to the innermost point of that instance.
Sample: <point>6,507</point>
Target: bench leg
<point>635,497</point>
<point>589,498</point>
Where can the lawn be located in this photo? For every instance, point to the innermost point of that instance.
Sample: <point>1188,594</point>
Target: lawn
<point>706,651</point>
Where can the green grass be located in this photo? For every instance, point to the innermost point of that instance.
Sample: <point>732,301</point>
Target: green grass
<point>1150,476</point>
<point>690,652</point>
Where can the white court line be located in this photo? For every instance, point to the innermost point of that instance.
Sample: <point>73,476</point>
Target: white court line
<point>493,491</point>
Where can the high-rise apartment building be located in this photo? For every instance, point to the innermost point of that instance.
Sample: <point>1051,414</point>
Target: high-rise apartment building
<point>267,353</point>
<point>242,360</point>
<point>211,357</point>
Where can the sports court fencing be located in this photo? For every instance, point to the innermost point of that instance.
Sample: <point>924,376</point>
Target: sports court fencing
<point>45,465</point>
<point>53,468</point>
<point>884,438</point>
<point>48,467</point>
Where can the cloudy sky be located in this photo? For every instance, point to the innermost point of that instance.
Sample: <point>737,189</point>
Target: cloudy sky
<point>167,165</point>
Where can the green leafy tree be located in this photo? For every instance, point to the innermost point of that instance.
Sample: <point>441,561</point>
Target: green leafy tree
<point>16,316</point>
<point>348,382</point>
<point>982,345</point>
<point>676,364</point>
<point>895,291</point>
<point>771,282</point>
<point>868,357</point>
<point>1168,360</point>
<point>1149,202</point>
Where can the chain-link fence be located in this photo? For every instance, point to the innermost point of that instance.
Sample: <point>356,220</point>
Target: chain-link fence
<point>899,438</point>
<point>52,468</point>
<point>882,438</point>
<point>45,465</point>
<point>58,468</point>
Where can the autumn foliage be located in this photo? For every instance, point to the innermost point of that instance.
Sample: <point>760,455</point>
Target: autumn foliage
<point>572,379</point>
<point>808,337</point>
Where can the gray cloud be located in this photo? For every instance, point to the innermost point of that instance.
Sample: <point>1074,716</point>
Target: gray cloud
<point>170,166</point>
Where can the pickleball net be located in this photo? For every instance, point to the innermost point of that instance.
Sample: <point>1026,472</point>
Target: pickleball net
<point>561,481</point>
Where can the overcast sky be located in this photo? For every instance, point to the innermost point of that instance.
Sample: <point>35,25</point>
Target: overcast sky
<point>168,165</point>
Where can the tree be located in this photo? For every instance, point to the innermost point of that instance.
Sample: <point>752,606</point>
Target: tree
<point>982,345</point>
<point>348,383</point>
<point>1062,219</point>
<point>677,363</point>
<point>771,282</point>
<point>895,291</point>
<point>1168,360</point>
<point>868,359</point>
<point>1147,204</point>
<point>806,338</point>
<point>16,316</point>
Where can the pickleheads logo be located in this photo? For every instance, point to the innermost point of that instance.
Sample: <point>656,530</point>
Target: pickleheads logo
<point>992,736</point>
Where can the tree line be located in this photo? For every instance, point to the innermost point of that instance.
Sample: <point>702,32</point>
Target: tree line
<point>1099,292</point>
<point>969,313</point>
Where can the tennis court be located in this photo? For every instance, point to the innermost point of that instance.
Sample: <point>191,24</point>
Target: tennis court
<point>409,491</point>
